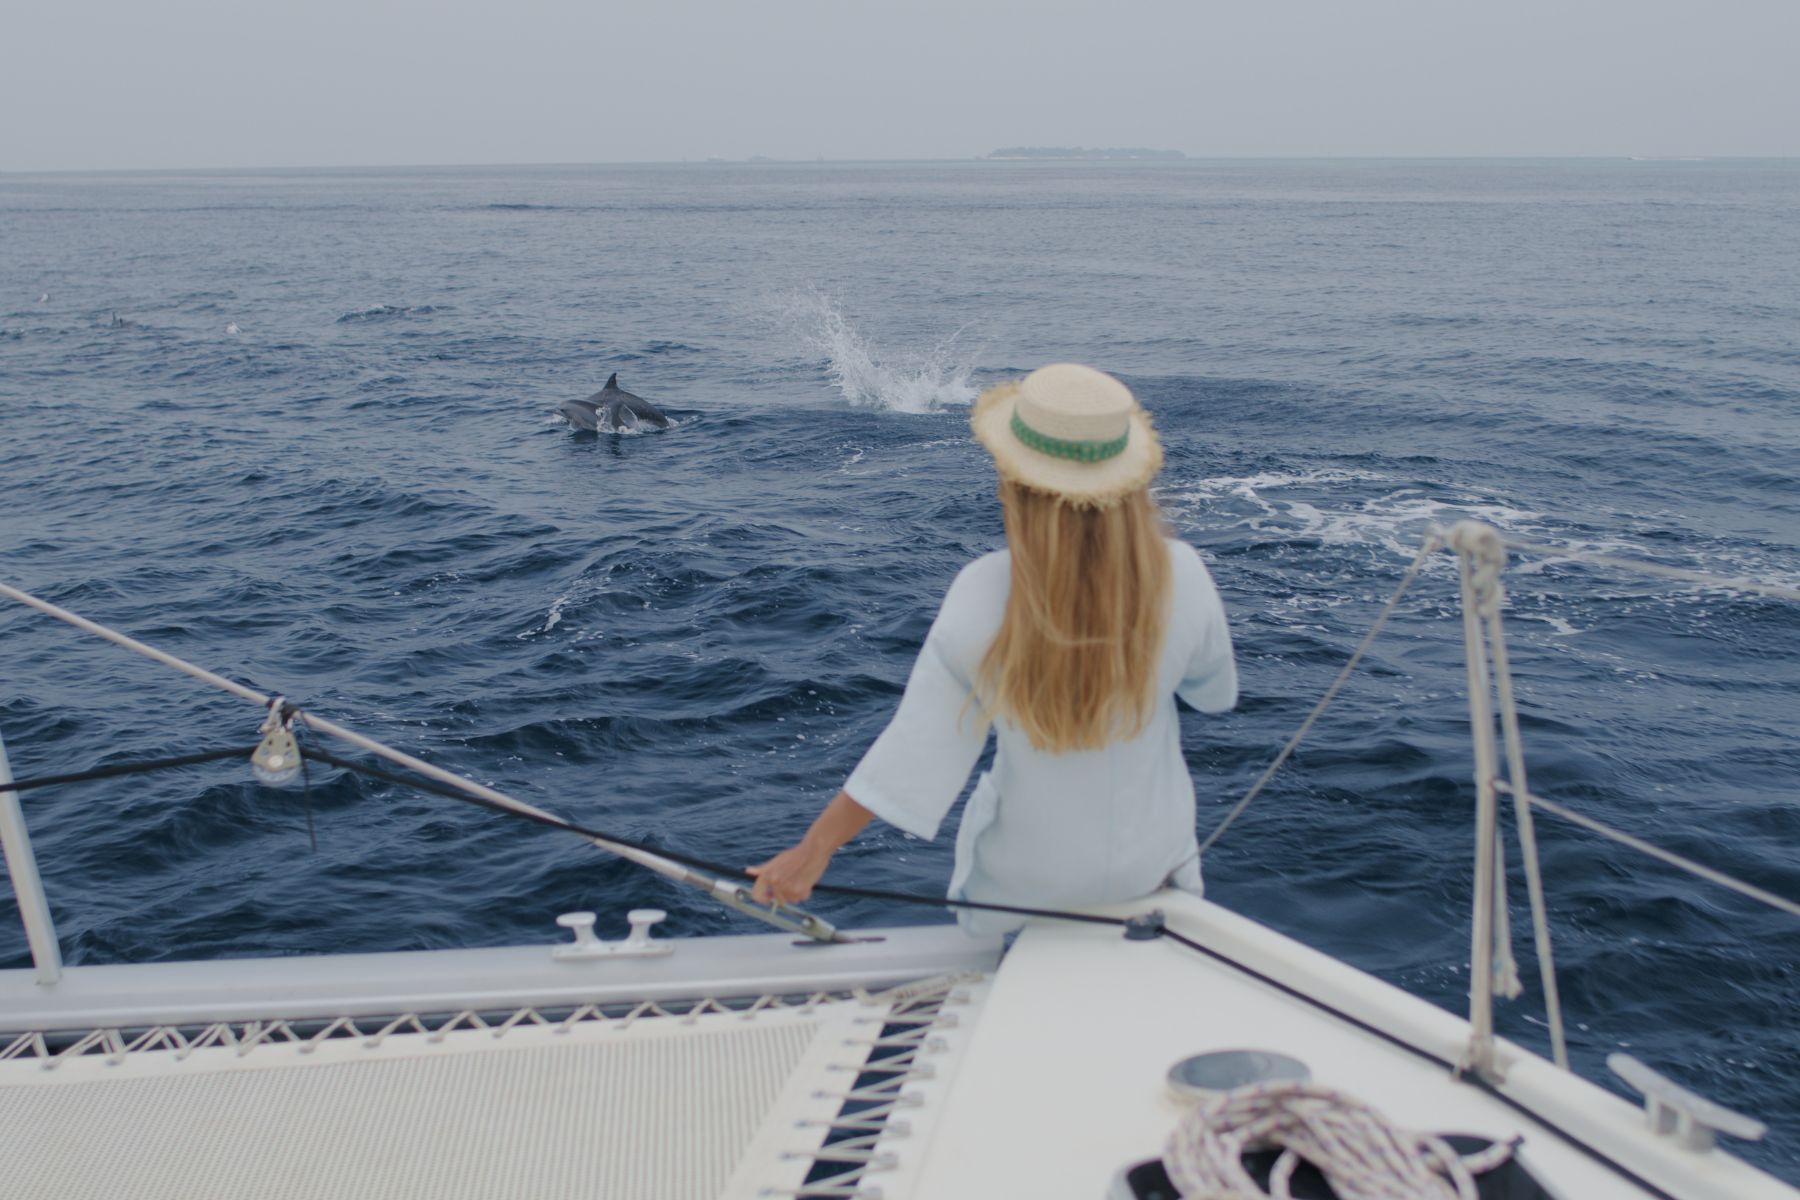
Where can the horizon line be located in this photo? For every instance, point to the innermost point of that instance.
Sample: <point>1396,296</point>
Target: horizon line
<point>763,160</point>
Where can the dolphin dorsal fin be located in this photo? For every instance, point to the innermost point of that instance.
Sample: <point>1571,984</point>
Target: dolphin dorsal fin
<point>612,381</point>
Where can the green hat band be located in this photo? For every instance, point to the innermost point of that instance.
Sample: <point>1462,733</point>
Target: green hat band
<point>1090,452</point>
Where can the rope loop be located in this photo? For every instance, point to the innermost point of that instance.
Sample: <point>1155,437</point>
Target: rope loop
<point>1486,551</point>
<point>281,715</point>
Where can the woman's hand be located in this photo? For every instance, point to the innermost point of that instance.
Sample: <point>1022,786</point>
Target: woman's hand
<point>790,875</point>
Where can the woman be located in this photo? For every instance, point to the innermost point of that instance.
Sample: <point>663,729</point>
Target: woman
<point>1073,644</point>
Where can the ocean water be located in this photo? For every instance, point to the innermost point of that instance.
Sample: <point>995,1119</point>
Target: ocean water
<point>296,426</point>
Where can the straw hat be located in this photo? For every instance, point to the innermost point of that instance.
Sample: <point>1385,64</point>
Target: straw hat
<point>1070,430</point>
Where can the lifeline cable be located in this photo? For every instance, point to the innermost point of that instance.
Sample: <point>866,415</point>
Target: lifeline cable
<point>130,768</point>
<point>733,895</point>
<point>688,860</point>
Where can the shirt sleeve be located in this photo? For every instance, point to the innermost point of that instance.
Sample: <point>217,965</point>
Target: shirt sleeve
<point>1209,680</point>
<point>913,773</point>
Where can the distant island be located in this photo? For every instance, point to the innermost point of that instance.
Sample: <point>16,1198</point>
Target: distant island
<point>1079,152</point>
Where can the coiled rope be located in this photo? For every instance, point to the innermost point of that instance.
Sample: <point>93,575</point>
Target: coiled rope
<point>1361,1154</point>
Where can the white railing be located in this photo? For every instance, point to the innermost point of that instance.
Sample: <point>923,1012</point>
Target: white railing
<point>27,884</point>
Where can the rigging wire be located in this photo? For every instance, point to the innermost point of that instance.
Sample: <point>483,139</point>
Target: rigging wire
<point>1432,541</point>
<point>689,860</point>
<point>1654,851</point>
<point>128,768</point>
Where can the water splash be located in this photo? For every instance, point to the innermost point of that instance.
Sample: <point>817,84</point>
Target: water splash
<point>907,381</point>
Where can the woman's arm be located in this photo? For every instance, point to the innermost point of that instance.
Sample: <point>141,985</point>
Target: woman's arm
<point>790,875</point>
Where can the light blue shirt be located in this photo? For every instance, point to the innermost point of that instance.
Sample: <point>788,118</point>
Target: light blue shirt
<point>1043,829</point>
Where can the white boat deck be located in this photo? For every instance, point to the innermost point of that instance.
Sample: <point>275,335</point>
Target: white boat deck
<point>1063,1080</point>
<point>502,977</point>
<point>1044,1078</point>
<point>454,1075</point>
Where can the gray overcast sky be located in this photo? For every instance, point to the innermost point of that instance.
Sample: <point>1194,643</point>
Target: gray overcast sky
<point>210,83</point>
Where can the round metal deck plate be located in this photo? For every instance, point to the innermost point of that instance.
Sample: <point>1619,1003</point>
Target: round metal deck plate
<point>1202,1075</point>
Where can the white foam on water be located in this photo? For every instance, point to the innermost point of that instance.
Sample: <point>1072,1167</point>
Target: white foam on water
<point>899,380</point>
<point>554,617</point>
<point>1558,626</point>
<point>551,619</point>
<point>1337,507</point>
<point>556,418</point>
<point>1360,508</point>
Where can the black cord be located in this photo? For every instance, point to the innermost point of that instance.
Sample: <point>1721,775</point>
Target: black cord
<point>130,768</point>
<point>306,798</point>
<point>688,860</point>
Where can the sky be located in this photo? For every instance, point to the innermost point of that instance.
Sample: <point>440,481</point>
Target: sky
<point>149,84</point>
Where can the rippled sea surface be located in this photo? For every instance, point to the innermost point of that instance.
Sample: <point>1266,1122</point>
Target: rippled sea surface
<point>297,427</point>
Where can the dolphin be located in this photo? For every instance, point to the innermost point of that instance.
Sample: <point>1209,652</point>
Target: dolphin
<point>612,409</point>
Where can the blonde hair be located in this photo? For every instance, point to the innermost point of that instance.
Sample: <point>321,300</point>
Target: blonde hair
<point>1074,663</point>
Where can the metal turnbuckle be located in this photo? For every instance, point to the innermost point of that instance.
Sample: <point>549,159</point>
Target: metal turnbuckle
<point>782,916</point>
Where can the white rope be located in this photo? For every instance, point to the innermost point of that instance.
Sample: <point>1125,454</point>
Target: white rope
<point>1482,560</point>
<point>1735,583</point>
<point>372,1032</point>
<point>1358,1151</point>
<point>1669,856</point>
<point>865,1123</point>
<point>1528,846</point>
<point>1430,544</point>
